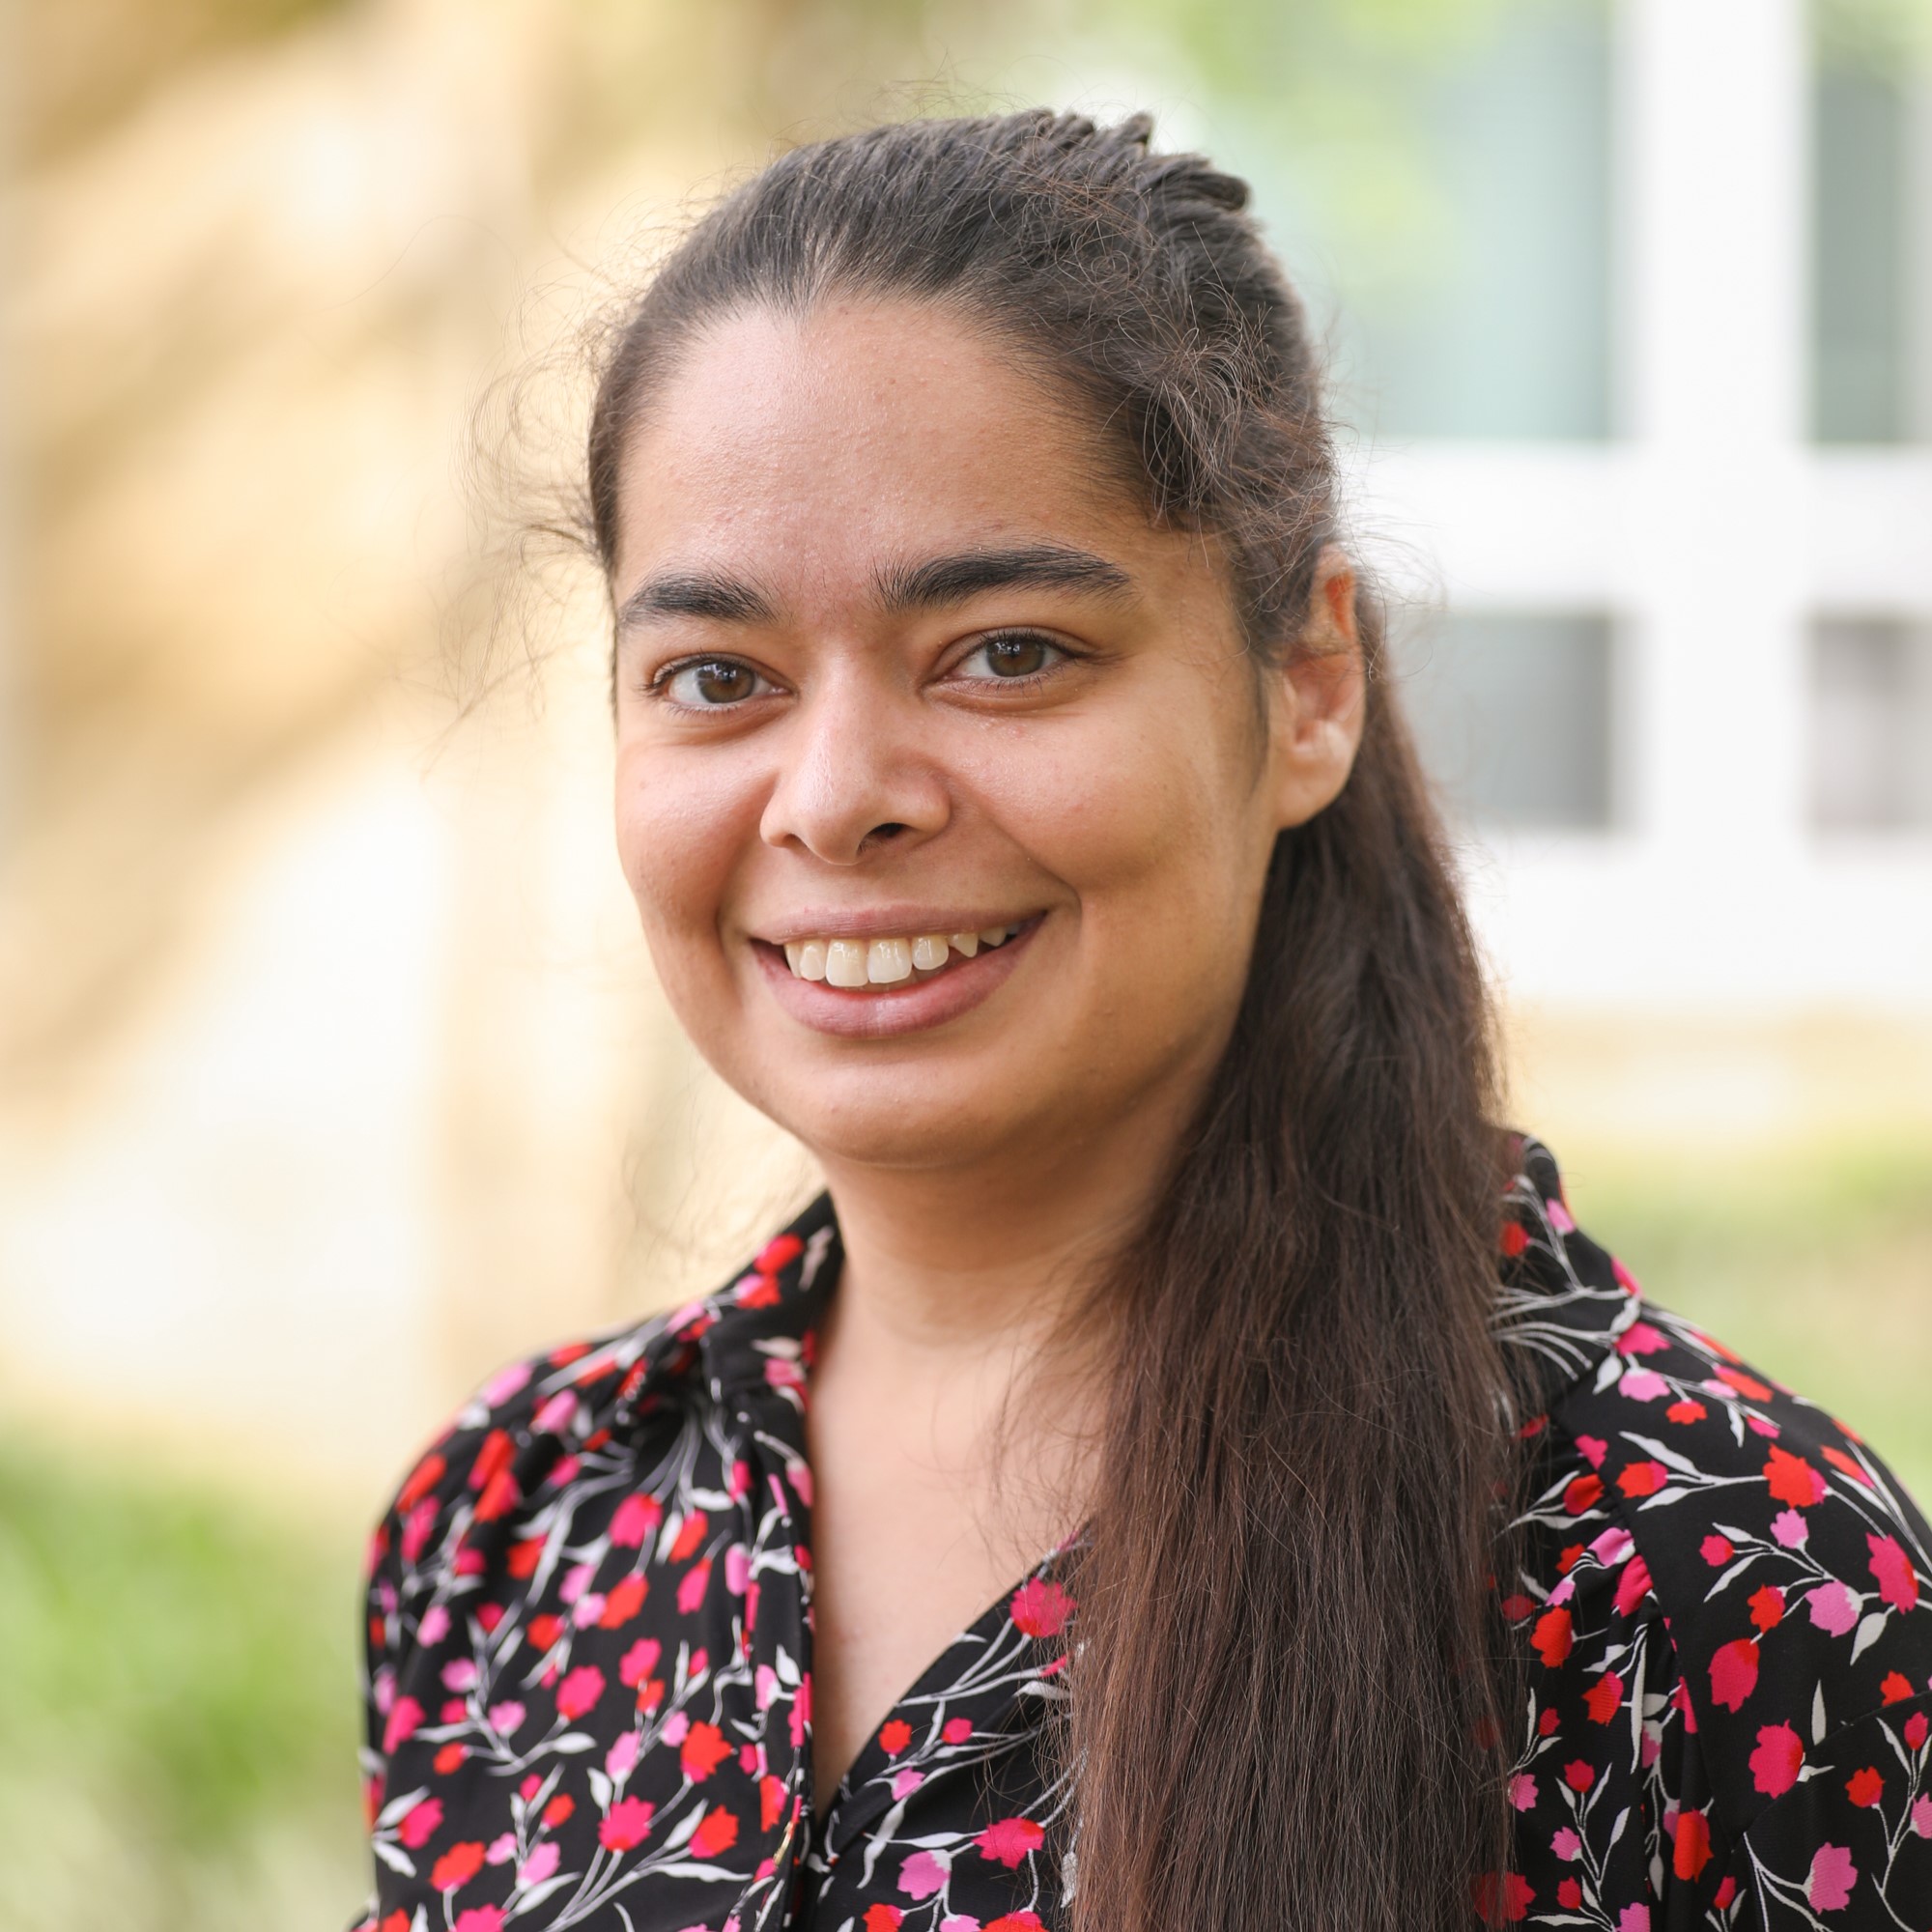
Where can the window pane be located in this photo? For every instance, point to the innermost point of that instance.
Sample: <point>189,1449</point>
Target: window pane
<point>1871,241</point>
<point>1511,712</point>
<point>1871,745</point>
<point>1458,260</point>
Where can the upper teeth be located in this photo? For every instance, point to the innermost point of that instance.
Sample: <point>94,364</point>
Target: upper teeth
<point>883,962</point>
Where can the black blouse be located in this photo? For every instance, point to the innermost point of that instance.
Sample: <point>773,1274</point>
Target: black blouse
<point>589,1646</point>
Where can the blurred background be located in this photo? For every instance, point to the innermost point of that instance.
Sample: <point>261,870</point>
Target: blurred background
<point>331,1071</point>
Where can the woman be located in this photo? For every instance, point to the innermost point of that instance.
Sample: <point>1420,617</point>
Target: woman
<point>1019,814</point>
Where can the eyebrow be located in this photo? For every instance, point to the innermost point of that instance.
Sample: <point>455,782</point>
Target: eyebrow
<point>953,579</point>
<point>934,583</point>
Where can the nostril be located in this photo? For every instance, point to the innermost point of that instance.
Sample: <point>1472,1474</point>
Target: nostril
<point>890,830</point>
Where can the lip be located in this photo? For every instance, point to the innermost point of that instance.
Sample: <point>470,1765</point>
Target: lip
<point>909,1007</point>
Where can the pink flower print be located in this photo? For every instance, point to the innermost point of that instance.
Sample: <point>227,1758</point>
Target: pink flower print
<point>1716,1550</point>
<point>1734,1673</point>
<point>575,1581</point>
<point>798,1475</point>
<point>460,1674</point>
<point>1523,1791</point>
<point>1566,1844</point>
<point>480,1919</point>
<point>1640,1338</point>
<point>1592,1449</point>
<point>1897,1581</point>
<point>1040,1609</point>
<point>500,1388</point>
<point>1009,1840</point>
<point>1559,1217</point>
<point>1922,1816</point>
<point>554,1417</point>
<point>540,1864</point>
<point>1633,1918</point>
<point>1642,1385</point>
<point>434,1625</point>
<point>1790,1528</point>
<point>626,1827</point>
<point>587,1610</point>
<point>501,1850</point>
<point>577,1695</point>
<point>767,1687</point>
<point>906,1782</point>
<point>421,1824</point>
<point>405,1716</point>
<point>958,1921</point>
<point>922,1875</point>
<point>737,1568</point>
<point>1775,1762</point>
<point>1612,1547</point>
<point>636,1518</point>
<point>507,1718</point>
<point>1832,1608</point>
<point>622,1759</point>
<point>674,1727</point>
<point>1631,1586</point>
<point>640,1660</point>
<point>1829,1887</point>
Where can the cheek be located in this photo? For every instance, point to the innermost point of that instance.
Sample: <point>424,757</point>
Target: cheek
<point>682,825</point>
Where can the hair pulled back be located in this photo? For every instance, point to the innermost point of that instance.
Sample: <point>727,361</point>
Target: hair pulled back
<point>1284,1700</point>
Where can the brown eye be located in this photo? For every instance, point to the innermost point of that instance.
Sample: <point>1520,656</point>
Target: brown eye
<point>713,682</point>
<point>1017,655</point>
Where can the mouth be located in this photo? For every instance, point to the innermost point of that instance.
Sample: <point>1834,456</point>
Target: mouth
<point>882,983</point>
<point>858,964</point>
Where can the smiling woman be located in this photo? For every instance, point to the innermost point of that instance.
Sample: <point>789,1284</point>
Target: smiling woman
<point>1187,1469</point>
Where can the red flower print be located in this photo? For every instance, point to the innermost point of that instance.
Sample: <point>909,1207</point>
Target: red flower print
<point>559,1810</point>
<point>1552,1637</point>
<point>577,1694</point>
<point>625,1601</point>
<point>1916,1729</point>
<point>883,1917</point>
<point>1716,1550</point>
<point>626,1826</point>
<point>1746,1385</point>
<point>1686,1410</point>
<point>1514,1239</point>
<point>702,1752</point>
<point>1792,1479</point>
<point>1778,1759</point>
<point>1643,1479</point>
<point>1578,1775</point>
<point>404,1715</point>
<point>1507,1901</point>
<point>1767,1606</point>
<point>1897,1687</point>
<point>1866,1787</point>
<point>692,1585</point>
<point>1570,1894</point>
<point>425,1476</point>
<point>1040,1609</point>
<point>495,1454</point>
<point>457,1866</point>
<point>1693,1852</point>
<point>1897,1581</point>
<point>545,1630</point>
<point>1828,1888</point>
<point>1605,1697</point>
<point>895,1737</point>
<point>636,1517</point>
<point>524,1556</point>
<point>1842,1463</point>
<point>1009,1841</point>
<point>718,1832</point>
<point>690,1534</point>
<point>1734,1673</point>
<point>421,1823</point>
<point>1583,1494</point>
<point>771,1801</point>
<point>1015,1922</point>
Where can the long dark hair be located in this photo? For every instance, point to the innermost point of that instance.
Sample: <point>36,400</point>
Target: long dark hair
<point>1288,1683</point>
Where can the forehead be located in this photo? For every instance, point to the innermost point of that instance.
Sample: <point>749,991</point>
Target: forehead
<point>818,444</point>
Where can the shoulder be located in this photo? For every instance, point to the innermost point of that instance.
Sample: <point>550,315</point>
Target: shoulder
<point>1788,1568</point>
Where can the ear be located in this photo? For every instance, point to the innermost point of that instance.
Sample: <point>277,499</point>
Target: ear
<point>1319,698</point>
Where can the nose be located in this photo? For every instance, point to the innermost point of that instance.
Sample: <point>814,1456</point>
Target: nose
<point>855,776</point>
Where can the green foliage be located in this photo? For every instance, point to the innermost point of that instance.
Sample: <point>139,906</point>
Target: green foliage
<point>178,1733</point>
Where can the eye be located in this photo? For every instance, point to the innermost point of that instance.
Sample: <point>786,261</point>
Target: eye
<point>710,683</point>
<point>1012,657</point>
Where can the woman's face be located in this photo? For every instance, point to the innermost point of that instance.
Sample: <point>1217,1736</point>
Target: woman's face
<point>942,783</point>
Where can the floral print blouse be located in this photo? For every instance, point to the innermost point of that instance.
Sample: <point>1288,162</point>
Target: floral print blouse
<point>589,1646</point>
